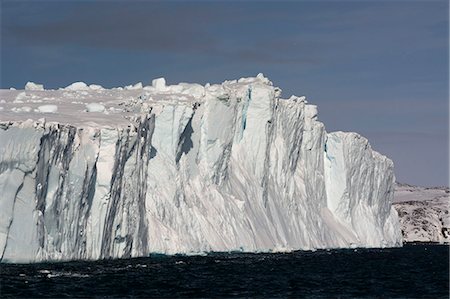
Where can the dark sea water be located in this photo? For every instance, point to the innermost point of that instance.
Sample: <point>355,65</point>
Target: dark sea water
<point>414,271</point>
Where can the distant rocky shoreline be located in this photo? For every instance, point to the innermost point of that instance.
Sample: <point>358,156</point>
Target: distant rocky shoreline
<point>424,213</point>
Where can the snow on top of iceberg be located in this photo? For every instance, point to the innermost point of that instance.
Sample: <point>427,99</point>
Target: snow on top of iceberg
<point>77,86</point>
<point>47,109</point>
<point>81,104</point>
<point>95,107</point>
<point>34,86</point>
<point>159,83</point>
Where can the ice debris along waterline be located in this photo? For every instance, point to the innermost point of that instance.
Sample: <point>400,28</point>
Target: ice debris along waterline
<point>184,168</point>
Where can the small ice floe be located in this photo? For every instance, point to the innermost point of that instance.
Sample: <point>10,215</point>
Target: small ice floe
<point>47,109</point>
<point>66,274</point>
<point>34,86</point>
<point>281,249</point>
<point>44,271</point>
<point>141,266</point>
<point>95,107</point>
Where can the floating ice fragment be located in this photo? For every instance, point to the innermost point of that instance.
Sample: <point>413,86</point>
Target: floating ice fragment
<point>44,271</point>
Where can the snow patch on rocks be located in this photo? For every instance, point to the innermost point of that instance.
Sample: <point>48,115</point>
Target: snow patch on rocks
<point>424,213</point>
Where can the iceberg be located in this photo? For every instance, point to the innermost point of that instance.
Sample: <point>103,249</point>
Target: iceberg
<point>186,169</point>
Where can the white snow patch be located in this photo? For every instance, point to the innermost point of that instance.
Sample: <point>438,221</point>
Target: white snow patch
<point>47,109</point>
<point>77,86</point>
<point>134,87</point>
<point>159,83</point>
<point>21,109</point>
<point>95,107</point>
<point>20,97</point>
<point>34,86</point>
<point>95,87</point>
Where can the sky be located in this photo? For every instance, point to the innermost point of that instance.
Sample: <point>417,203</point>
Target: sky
<point>379,68</point>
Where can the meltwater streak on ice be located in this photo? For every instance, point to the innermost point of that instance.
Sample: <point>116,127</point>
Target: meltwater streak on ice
<point>183,169</point>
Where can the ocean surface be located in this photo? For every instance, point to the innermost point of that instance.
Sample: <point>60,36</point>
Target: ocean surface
<point>414,271</point>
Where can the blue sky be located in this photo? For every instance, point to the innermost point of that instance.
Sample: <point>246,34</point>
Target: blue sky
<point>379,68</point>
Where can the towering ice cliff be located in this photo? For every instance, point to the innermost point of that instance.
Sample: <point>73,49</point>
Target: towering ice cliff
<point>182,169</point>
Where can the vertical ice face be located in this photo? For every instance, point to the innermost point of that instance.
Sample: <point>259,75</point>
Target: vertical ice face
<point>356,178</point>
<point>234,168</point>
<point>73,193</point>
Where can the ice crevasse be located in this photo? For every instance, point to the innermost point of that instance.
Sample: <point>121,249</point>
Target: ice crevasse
<point>186,169</point>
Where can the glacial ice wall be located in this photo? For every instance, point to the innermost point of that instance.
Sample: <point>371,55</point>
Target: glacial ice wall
<point>192,169</point>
